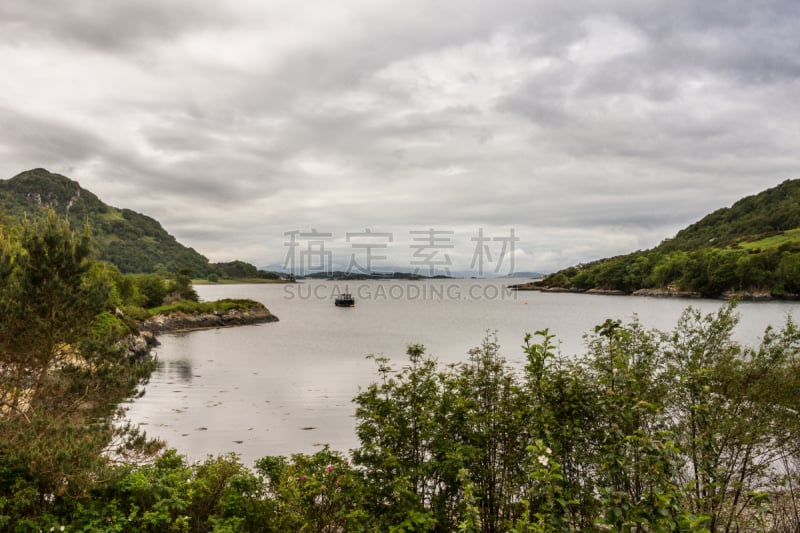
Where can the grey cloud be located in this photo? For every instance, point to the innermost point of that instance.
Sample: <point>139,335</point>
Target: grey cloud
<point>754,43</point>
<point>112,25</point>
<point>32,141</point>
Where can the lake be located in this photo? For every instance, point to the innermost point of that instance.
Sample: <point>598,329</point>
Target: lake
<point>286,387</point>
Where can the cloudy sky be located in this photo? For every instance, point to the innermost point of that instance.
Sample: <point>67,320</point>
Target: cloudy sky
<point>590,128</point>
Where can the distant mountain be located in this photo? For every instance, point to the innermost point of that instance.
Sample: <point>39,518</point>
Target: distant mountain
<point>751,249</point>
<point>532,275</point>
<point>131,240</point>
<point>401,272</point>
<point>340,275</point>
<point>274,267</point>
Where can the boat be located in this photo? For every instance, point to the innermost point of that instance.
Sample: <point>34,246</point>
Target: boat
<point>345,300</point>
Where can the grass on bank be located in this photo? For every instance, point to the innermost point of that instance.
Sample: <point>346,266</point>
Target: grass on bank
<point>196,308</point>
<point>774,241</point>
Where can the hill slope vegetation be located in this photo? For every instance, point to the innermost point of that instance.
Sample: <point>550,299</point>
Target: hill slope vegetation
<point>750,248</point>
<point>134,242</point>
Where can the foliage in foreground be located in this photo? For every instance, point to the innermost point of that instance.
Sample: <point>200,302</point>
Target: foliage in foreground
<point>62,374</point>
<point>650,431</point>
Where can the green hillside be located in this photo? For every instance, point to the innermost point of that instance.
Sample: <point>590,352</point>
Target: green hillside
<point>752,247</point>
<point>132,241</point>
<point>768,213</point>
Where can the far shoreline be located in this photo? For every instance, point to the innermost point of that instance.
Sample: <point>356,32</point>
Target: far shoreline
<point>240,281</point>
<point>744,296</point>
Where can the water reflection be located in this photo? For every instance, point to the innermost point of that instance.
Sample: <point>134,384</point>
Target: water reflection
<point>180,369</point>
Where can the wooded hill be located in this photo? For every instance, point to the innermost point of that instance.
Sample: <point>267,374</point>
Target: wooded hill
<point>136,243</point>
<point>751,248</point>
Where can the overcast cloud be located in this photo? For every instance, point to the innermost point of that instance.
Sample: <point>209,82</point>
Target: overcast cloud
<point>591,128</point>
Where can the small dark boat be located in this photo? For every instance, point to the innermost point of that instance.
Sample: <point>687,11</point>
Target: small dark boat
<point>345,300</point>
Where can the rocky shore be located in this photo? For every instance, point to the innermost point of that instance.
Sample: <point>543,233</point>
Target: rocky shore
<point>667,293</point>
<point>180,321</point>
<point>657,293</point>
<point>140,345</point>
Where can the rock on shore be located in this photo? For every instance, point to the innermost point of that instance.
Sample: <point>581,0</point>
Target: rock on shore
<point>180,321</point>
<point>140,345</point>
<point>667,293</point>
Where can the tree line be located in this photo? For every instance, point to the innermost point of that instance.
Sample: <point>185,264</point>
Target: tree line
<point>752,246</point>
<point>710,272</point>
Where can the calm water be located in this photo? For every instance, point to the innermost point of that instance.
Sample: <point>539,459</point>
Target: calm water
<point>286,387</point>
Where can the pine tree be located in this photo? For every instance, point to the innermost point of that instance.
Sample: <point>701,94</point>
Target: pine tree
<point>59,385</point>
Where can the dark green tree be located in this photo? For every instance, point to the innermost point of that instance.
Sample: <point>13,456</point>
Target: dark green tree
<point>151,288</point>
<point>734,413</point>
<point>493,432</point>
<point>397,426</point>
<point>181,288</point>
<point>59,384</point>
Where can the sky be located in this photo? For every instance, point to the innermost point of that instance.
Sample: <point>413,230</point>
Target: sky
<point>514,135</point>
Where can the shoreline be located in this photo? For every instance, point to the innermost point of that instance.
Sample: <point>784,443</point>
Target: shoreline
<point>140,345</point>
<point>180,321</point>
<point>748,296</point>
